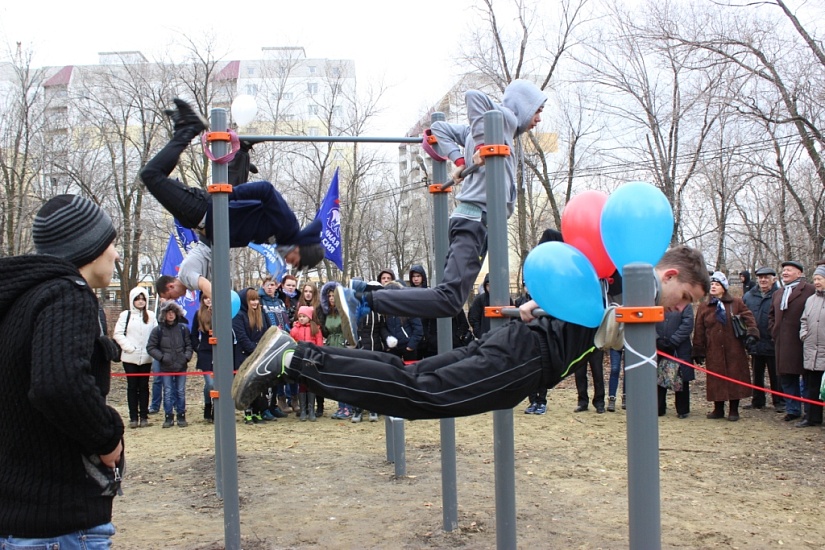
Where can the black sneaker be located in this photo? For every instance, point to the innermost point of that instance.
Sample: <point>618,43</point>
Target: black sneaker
<point>186,118</point>
<point>261,369</point>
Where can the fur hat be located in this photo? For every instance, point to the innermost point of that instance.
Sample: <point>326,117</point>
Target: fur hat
<point>73,228</point>
<point>720,278</point>
<point>171,305</point>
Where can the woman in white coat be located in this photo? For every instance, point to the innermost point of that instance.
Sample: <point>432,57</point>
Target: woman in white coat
<point>132,333</point>
<point>812,334</point>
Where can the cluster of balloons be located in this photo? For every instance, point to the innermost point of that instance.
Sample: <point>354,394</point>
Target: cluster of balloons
<point>601,234</point>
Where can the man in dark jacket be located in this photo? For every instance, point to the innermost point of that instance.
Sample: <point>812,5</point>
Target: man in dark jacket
<point>785,317</point>
<point>759,299</point>
<point>61,447</point>
<point>460,326</point>
<point>747,283</point>
<point>478,321</point>
<point>496,372</point>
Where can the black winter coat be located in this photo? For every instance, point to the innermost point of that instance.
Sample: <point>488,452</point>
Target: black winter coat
<point>54,420</point>
<point>760,306</point>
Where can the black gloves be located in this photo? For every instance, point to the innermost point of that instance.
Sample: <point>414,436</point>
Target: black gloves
<point>665,345</point>
<point>699,359</point>
<point>751,341</point>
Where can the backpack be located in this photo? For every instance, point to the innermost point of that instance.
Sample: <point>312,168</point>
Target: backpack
<point>125,328</point>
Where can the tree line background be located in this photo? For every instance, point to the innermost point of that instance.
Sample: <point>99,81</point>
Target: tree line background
<point>719,104</point>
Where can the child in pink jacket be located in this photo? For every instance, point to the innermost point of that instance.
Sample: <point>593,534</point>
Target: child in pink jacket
<point>306,329</point>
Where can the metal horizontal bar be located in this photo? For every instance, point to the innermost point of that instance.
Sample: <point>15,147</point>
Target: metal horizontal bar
<point>331,139</point>
<point>514,312</point>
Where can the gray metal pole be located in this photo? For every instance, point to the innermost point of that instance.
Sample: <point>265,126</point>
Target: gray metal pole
<point>221,302</point>
<point>441,236</point>
<point>503,433</point>
<point>642,420</point>
<point>399,450</point>
<point>388,437</point>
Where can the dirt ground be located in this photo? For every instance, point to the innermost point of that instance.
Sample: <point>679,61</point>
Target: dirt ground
<point>756,483</point>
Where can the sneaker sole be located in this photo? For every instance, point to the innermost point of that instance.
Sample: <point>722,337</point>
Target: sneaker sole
<point>197,114</point>
<point>346,315</point>
<point>254,373</point>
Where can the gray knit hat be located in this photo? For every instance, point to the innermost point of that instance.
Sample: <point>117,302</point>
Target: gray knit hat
<point>73,228</point>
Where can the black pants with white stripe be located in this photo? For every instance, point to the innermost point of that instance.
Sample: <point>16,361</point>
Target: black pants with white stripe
<point>496,372</point>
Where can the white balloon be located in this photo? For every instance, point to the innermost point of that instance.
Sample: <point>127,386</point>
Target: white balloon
<point>244,109</point>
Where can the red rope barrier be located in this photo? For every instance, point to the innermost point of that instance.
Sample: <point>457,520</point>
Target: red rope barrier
<point>747,385</point>
<point>185,373</point>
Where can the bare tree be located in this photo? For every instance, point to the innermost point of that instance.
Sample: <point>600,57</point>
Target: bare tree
<point>120,107</point>
<point>533,46</point>
<point>653,95</point>
<point>22,130</point>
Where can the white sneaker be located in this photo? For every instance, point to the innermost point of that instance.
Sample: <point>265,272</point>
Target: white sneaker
<point>373,417</point>
<point>262,368</point>
<point>356,418</point>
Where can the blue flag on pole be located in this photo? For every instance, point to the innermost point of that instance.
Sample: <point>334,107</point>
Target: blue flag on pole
<point>275,265</point>
<point>330,216</point>
<point>187,237</point>
<point>171,266</point>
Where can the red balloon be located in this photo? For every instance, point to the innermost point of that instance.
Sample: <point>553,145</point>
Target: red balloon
<point>581,228</point>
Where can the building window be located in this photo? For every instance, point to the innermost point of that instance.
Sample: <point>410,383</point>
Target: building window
<point>313,131</point>
<point>250,71</point>
<point>252,89</point>
<point>312,88</point>
<point>313,109</point>
<point>312,69</point>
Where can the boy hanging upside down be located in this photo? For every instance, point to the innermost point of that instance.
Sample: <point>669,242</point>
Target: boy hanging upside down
<point>496,372</point>
<point>257,212</point>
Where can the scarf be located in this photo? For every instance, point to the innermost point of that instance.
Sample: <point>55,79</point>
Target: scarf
<point>786,294</point>
<point>292,294</point>
<point>721,314</point>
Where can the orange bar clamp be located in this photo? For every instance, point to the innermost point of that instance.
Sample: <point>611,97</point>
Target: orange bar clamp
<point>632,314</point>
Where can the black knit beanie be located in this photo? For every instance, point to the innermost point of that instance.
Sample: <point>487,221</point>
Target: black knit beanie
<point>73,228</point>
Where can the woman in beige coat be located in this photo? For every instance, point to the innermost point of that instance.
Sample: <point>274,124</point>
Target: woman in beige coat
<point>812,334</point>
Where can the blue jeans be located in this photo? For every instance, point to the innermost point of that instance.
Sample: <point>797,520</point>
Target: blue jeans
<point>174,394</point>
<point>96,538</point>
<point>157,388</point>
<point>790,385</point>
<point>208,384</point>
<point>616,366</point>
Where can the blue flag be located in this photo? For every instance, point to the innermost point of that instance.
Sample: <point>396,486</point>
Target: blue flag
<point>275,265</point>
<point>330,216</point>
<point>187,237</point>
<point>171,266</point>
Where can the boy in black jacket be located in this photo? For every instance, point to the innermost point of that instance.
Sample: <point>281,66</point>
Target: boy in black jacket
<point>61,447</point>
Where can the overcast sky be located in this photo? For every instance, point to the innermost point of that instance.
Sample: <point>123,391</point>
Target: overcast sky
<point>410,44</point>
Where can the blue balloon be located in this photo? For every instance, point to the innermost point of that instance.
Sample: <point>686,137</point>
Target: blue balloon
<point>636,224</point>
<point>236,302</point>
<point>564,283</point>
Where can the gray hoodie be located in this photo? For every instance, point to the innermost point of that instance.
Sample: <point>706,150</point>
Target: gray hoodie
<point>521,100</point>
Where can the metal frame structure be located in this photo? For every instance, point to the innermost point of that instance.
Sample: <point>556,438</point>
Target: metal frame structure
<point>642,431</point>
